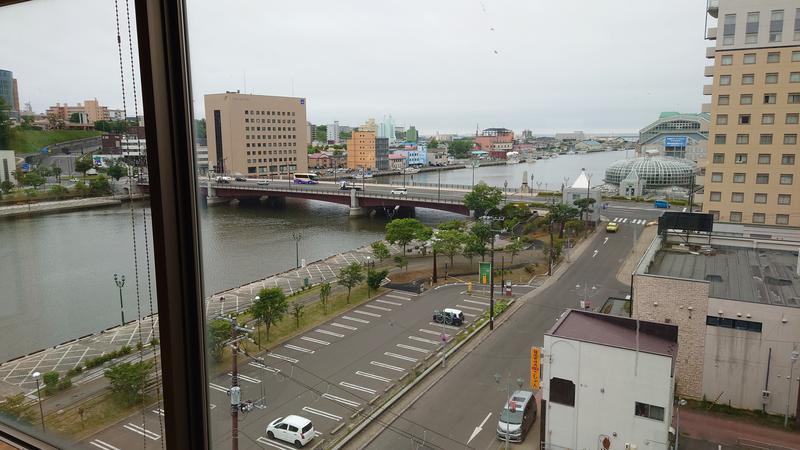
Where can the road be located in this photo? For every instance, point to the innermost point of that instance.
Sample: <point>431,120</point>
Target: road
<point>458,405</point>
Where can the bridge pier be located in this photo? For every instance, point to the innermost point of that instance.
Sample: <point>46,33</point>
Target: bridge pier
<point>355,208</point>
<point>212,199</point>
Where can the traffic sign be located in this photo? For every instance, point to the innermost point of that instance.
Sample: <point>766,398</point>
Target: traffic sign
<point>535,367</point>
<point>485,272</point>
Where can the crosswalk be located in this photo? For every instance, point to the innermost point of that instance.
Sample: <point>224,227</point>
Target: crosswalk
<point>628,220</point>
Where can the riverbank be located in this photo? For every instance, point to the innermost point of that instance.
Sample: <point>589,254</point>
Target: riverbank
<point>390,173</point>
<point>31,208</point>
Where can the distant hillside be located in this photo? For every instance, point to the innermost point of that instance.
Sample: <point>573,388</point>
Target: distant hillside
<point>29,141</point>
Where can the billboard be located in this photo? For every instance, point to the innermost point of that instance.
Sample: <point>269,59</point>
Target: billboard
<point>675,141</point>
<point>685,221</point>
<point>535,367</point>
<point>485,272</point>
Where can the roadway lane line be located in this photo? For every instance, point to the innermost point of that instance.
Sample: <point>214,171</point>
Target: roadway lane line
<point>258,365</point>
<point>104,445</point>
<point>341,400</point>
<point>246,378</point>
<point>387,302</point>
<point>475,302</point>
<point>217,387</point>
<point>355,319</point>
<point>329,333</point>
<point>451,327</point>
<point>414,349</point>
<point>265,441</point>
<point>404,358</point>
<point>366,313</point>
<point>427,341</point>
<point>616,219</point>
<point>316,341</point>
<point>299,349</point>
<point>285,358</point>
<point>625,220</point>
<point>377,307</point>
<point>397,297</point>
<point>470,307</point>
<point>321,413</point>
<point>144,432</point>
<point>159,411</point>
<point>373,376</point>
<point>346,327</point>
<point>387,366</point>
<point>435,333</point>
<point>356,387</point>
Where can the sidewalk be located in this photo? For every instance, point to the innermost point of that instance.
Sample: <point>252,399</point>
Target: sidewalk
<point>699,425</point>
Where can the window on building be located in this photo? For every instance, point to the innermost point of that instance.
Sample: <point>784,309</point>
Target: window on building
<point>716,177</point>
<point>728,29</point>
<point>781,219</point>
<point>749,58</point>
<point>794,98</point>
<point>726,60</point>
<point>649,411</point>
<point>767,119</point>
<point>746,99</point>
<point>762,178</point>
<point>722,119</point>
<point>748,78</point>
<point>786,178</point>
<point>562,392</point>
<point>770,99</point>
<point>719,158</point>
<point>715,196</point>
<point>715,214</point>
<point>758,218</point>
<point>790,139</point>
<point>744,119</point>
<point>797,24</point>
<point>739,177</point>
<point>759,197</point>
<point>784,199</point>
<point>719,139</point>
<point>736,216</point>
<point>724,80</point>
<point>773,57</point>
<point>796,56</point>
<point>794,77</point>
<point>743,138</point>
<point>737,324</point>
<point>776,25</point>
<point>740,158</point>
<point>770,78</point>
<point>737,197</point>
<point>723,100</point>
<point>787,159</point>
<point>764,139</point>
<point>751,28</point>
<point>764,158</point>
<point>792,118</point>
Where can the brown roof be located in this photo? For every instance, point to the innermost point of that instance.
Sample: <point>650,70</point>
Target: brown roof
<point>614,331</point>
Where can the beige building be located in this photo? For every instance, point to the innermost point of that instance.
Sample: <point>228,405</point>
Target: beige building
<point>752,172</point>
<point>256,135</point>
<point>361,150</point>
<point>89,112</point>
<point>736,302</point>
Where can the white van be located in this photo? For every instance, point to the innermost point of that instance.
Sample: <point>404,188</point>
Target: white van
<point>517,416</point>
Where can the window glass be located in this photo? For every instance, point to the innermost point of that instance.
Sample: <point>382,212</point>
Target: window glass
<point>787,159</point>
<point>749,58</point>
<point>722,119</point>
<point>719,158</point>
<point>748,78</point>
<point>794,77</point>
<point>740,158</point>
<point>770,78</point>
<point>746,99</point>
<point>762,178</point>
<point>715,196</point>
<point>716,177</point>
<point>773,57</point>
<point>719,139</point>
<point>728,29</point>
<point>776,25</point>
<point>790,139</point>
<point>736,217</point>
<point>743,138</point>
<point>751,28</point>
<point>786,178</point>
<point>757,218</point>
<point>760,198</point>
<point>781,219</point>
<point>767,119</point>
<point>764,158</point>
<point>764,139</point>
<point>726,60</point>
<point>649,411</point>
<point>770,99</point>
<point>739,177</point>
<point>562,391</point>
<point>784,199</point>
<point>737,197</point>
<point>723,100</point>
<point>724,80</point>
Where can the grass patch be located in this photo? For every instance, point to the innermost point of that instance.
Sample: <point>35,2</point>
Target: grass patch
<point>29,141</point>
<point>745,415</point>
<point>86,418</point>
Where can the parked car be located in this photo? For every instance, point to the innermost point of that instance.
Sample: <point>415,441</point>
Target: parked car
<point>263,182</point>
<point>612,227</point>
<point>296,430</point>
<point>661,204</point>
<point>224,179</point>
<point>517,416</point>
<point>449,316</point>
<point>399,191</point>
<point>240,179</point>
<point>344,185</point>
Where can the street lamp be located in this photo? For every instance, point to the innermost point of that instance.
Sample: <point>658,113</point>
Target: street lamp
<point>681,402</point>
<point>532,185</point>
<point>792,359</point>
<point>505,192</point>
<point>368,264</point>
<point>474,163</point>
<point>487,220</point>
<point>36,376</point>
<point>120,282</point>
<point>258,325</point>
<point>297,237</point>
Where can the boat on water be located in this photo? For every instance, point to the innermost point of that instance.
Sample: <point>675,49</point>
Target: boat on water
<point>361,176</point>
<point>410,170</point>
<point>512,158</point>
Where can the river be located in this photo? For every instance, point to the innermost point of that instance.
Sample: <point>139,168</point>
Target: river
<point>57,280</point>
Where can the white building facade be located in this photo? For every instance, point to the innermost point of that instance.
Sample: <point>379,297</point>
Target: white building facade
<point>8,164</point>
<point>333,132</point>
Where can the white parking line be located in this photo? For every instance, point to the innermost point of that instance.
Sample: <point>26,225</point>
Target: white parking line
<point>159,411</point>
<point>387,366</point>
<point>450,327</point>
<point>435,333</point>
<point>340,325</point>
<point>398,297</point>
<point>378,307</point>
<point>469,315</point>
<point>246,378</point>
<point>470,307</point>
<point>104,445</point>
<point>316,341</point>
<point>329,333</point>
<point>414,349</point>
<point>341,400</point>
<point>298,348</point>
<point>616,219</point>
<point>356,387</point>
<point>366,313</point>
<point>258,365</point>
<point>404,358</point>
<point>217,387</point>
<point>285,358</point>
<point>265,441</point>
<point>373,376</point>
<point>144,432</point>
<point>476,302</point>
<point>427,341</point>
<point>355,319</point>
<point>321,413</point>
<point>387,302</point>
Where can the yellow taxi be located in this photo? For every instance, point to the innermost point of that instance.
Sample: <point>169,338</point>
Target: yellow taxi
<point>612,227</point>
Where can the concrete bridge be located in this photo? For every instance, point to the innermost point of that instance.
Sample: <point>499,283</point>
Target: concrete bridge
<point>361,202</point>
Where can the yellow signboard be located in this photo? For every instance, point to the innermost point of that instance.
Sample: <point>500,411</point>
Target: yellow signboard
<point>535,367</point>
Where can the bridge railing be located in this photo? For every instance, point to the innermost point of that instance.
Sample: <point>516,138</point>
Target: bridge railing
<point>408,183</point>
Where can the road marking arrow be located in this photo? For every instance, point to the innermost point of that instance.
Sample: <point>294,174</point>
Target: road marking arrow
<point>479,428</point>
<point>595,253</point>
<point>605,240</point>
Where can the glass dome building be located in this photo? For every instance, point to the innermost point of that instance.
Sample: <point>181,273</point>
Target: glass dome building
<point>654,172</point>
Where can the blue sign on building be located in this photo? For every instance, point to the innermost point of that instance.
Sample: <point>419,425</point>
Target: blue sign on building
<point>26,167</point>
<point>675,141</point>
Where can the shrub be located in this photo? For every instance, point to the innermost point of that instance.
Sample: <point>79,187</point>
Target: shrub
<point>74,371</point>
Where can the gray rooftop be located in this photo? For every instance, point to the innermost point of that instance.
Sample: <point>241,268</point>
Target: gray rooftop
<point>745,274</point>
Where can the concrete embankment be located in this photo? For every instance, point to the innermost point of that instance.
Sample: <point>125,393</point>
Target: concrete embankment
<point>40,208</point>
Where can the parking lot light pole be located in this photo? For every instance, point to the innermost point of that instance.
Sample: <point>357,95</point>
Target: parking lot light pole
<point>36,376</point>
<point>297,237</point>
<point>681,402</point>
<point>120,282</point>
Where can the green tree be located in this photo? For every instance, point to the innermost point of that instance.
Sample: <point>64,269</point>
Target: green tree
<point>321,133</point>
<point>473,246</point>
<point>584,205</point>
<point>5,125</point>
<point>117,171</point>
<point>375,277</point>
<point>58,191</point>
<point>350,276</point>
<point>455,224</point>
<point>18,407</point>
<point>380,250</point>
<point>200,128</point>
<point>128,380</point>
<point>83,165</point>
<point>219,332</point>
<point>345,134</point>
<point>6,186</point>
<point>270,307</point>
<point>324,294</point>
<point>56,172</point>
<point>401,261</point>
<point>81,188</point>
<point>297,313</point>
<point>33,179</point>
<point>74,118</point>
<point>460,148</point>
<point>433,143</point>
<point>514,248</point>
<point>403,231</point>
<point>99,186</point>
<point>51,382</point>
<point>483,198</point>
<point>561,213</point>
<point>449,242</point>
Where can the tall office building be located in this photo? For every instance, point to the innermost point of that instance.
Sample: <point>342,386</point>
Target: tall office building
<point>361,151</point>
<point>333,132</point>
<point>8,91</point>
<point>752,174</point>
<point>412,135</point>
<point>256,134</point>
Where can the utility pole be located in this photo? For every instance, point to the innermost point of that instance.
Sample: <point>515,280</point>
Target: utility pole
<point>235,391</point>
<point>434,277</point>
<point>297,237</point>
<point>120,282</point>
<point>491,286</point>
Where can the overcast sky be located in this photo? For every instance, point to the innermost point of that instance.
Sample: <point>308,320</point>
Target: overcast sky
<point>441,65</point>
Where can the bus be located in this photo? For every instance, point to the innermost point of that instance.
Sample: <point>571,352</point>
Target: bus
<point>305,178</point>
